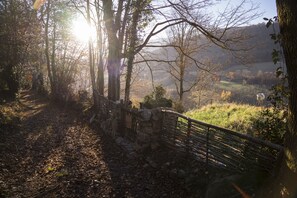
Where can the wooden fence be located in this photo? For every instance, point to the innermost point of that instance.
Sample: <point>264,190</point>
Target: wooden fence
<point>212,145</point>
<point>218,147</point>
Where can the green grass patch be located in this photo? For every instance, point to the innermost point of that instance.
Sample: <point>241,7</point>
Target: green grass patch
<point>232,116</point>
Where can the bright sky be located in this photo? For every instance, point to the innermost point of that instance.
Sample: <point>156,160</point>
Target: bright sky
<point>267,7</point>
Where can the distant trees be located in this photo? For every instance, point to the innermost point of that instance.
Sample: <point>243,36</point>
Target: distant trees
<point>18,43</point>
<point>62,54</point>
<point>121,24</point>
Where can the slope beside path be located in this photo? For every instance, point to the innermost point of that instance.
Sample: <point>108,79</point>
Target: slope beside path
<point>53,152</point>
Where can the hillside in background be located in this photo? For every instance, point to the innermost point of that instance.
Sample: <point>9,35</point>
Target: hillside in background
<point>252,70</point>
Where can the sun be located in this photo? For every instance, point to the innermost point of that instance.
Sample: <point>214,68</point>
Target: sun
<point>82,31</point>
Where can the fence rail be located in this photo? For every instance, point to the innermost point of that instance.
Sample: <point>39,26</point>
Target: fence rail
<point>217,146</point>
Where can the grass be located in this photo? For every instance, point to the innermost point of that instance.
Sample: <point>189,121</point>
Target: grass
<point>232,116</point>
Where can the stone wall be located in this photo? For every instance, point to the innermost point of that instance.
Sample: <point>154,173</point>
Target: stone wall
<point>147,130</point>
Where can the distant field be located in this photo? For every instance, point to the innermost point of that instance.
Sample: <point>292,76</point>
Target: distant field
<point>242,93</point>
<point>254,67</point>
<point>239,87</point>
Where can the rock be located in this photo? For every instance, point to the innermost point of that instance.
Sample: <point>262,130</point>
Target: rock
<point>173,172</point>
<point>151,162</point>
<point>146,166</point>
<point>119,140</point>
<point>156,114</point>
<point>146,114</point>
<point>92,118</point>
<point>155,146</point>
<point>181,173</point>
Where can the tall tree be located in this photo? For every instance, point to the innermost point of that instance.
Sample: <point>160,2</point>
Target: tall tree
<point>287,17</point>
<point>138,7</point>
<point>115,33</point>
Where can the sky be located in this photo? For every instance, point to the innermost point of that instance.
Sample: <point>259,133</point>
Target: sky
<point>266,7</point>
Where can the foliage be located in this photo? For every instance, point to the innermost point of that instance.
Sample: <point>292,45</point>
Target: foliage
<point>157,99</point>
<point>178,106</point>
<point>8,115</point>
<point>18,28</point>
<point>226,95</point>
<point>279,92</point>
<point>270,124</point>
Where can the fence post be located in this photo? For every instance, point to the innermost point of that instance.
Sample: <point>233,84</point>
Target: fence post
<point>188,135</point>
<point>175,129</point>
<point>207,152</point>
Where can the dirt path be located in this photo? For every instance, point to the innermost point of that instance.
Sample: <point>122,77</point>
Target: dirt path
<point>53,153</point>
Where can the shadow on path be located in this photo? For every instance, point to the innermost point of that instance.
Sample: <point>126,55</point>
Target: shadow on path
<point>54,153</point>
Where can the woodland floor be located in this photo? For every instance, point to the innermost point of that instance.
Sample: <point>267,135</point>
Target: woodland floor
<point>53,152</point>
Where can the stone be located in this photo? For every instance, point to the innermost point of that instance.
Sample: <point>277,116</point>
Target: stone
<point>181,173</point>
<point>146,166</point>
<point>156,114</point>
<point>119,140</point>
<point>151,162</point>
<point>146,114</point>
<point>142,137</point>
<point>155,146</point>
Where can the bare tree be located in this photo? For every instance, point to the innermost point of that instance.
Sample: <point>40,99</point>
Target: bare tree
<point>188,27</point>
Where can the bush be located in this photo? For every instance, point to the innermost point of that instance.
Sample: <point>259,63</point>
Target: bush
<point>157,99</point>
<point>270,125</point>
<point>8,116</point>
<point>178,106</point>
<point>226,95</point>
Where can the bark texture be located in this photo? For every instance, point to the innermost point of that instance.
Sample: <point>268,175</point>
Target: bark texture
<point>287,13</point>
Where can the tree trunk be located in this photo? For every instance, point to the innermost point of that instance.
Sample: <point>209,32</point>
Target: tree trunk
<point>47,55</point>
<point>287,13</point>
<point>91,63</point>
<point>100,75</point>
<point>53,63</point>
<point>182,77</point>
<point>114,51</point>
<point>132,45</point>
<point>100,65</point>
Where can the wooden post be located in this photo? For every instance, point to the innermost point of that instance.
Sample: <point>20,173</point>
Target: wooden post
<point>188,136</point>
<point>207,152</point>
<point>175,129</point>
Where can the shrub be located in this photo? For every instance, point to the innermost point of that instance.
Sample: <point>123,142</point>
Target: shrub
<point>226,95</point>
<point>178,106</point>
<point>270,125</point>
<point>157,99</point>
